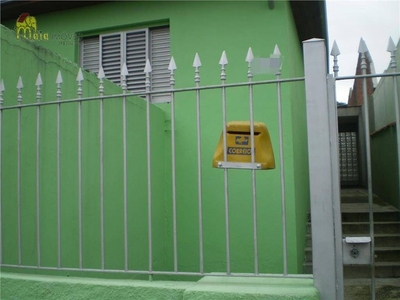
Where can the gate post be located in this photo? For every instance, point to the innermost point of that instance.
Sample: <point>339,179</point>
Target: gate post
<point>324,172</point>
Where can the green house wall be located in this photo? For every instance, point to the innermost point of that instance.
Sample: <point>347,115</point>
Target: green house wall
<point>207,28</point>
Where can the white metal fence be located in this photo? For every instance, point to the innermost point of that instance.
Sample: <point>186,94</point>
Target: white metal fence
<point>323,163</point>
<point>20,107</point>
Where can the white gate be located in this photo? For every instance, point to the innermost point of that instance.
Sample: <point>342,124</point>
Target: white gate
<point>324,164</point>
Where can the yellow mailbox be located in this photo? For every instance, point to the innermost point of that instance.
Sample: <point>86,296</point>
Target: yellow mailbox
<point>238,146</point>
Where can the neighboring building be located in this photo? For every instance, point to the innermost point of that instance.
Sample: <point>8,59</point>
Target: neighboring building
<point>382,121</point>
<point>356,93</point>
<point>112,33</point>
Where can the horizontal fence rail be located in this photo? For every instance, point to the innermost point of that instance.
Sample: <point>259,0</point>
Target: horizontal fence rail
<point>92,136</point>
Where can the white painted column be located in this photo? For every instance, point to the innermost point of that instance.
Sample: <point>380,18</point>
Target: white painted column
<point>324,187</point>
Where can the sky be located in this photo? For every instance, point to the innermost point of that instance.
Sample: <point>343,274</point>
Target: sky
<point>349,20</point>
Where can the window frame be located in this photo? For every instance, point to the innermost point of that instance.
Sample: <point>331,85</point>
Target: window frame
<point>123,37</point>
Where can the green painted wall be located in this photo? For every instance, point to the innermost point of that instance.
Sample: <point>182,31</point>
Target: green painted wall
<point>25,59</point>
<point>207,28</point>
<point>385,173</point>
<point>385,167</point>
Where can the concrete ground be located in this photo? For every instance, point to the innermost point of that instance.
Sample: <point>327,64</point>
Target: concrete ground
<point>360,289</point>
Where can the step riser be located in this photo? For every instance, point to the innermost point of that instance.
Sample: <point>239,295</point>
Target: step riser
<point>384,241</point>
<point>365,271</point>
<point>380,256</point>
<point>386,256</point>
<point>364,228</point>
<point>360,229</point>
<point>357,199</point>
<point>364,217</point>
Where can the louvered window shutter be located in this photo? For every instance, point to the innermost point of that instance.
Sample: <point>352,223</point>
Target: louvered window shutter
<point>135,57</point>
<point>111,57</point>
<point>132,47</point>
<point>90,54</point>
<point>160,57</point>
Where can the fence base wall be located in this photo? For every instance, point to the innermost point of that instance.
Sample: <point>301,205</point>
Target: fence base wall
<point>18,286</point>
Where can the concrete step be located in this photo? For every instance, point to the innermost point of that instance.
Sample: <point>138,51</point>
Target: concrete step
<point>382,254</point>
<point>361,228</point>
<point>387,254</point>
<point>357,199</point>
<point>355,222</point>
<point>364,216</point>
<point>382,270</point>
<point>381,239</point>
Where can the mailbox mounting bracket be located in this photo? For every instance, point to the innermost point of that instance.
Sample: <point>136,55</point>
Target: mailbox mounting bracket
<point>238,165</point>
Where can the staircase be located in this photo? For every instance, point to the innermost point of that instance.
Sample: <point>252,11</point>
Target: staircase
<point>355,222</point>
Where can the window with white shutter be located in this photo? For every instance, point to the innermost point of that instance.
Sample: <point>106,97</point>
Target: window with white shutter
<point>131,47</point>
<point>90,54</point>
<point>136,53</point>
<point>111,58</point>
<point>160,57</point>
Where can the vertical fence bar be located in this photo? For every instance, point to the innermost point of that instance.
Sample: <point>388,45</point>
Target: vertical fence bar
<point>393,65</point>
<point>101,133</point>
<point>59,81</point>
<point>1,170</point>
<point>172,67</point>
<point>362,50</point>
<point>147,71</point>
<point>124,73</point>
<point>19,100</point>
<point>282,173</point>
<point>80,171</point>
<point>197,65</point>
<point>80,184</point>
<point>337,214</point>
<point>321,147</point>
<point>100,76</point>
<point>224,61</point>
<point>38,98</point>
<point>249,59</point>
<point>397,108</point>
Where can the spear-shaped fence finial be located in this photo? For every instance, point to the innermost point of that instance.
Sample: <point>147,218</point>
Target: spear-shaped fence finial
<point>335,52</point>
<point>20,85</point>
<point>101,76</point>
<point>79,79</point>
<point>124,73</point>
<point>172,68</point>
<point>249,59</point>
<point>38,84</point>
<point>147,70</point>
<point>223,62</point>
<point>276,60</point>
<point>2,88</point>
<point>362,49</point>
<point>59,81</point>
<point>196,66</point>
<point>392,49</point>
